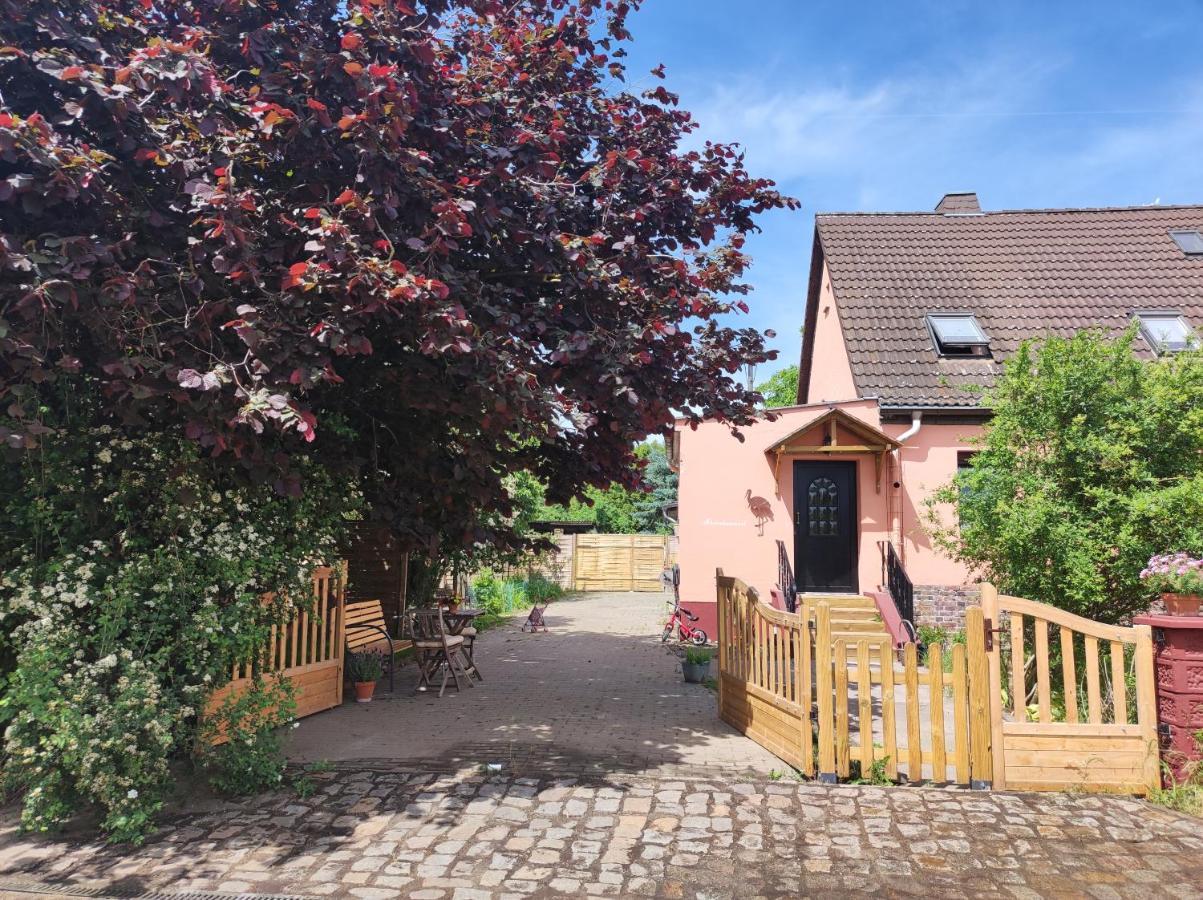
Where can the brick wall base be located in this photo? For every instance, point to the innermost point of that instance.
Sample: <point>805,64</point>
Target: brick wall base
<point>943,606</point>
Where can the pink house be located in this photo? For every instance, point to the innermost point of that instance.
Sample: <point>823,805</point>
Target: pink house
<point>908,317</point>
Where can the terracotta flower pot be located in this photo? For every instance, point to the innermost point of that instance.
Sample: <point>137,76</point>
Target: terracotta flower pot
<point>364,691</point>
<point>1181,604</point>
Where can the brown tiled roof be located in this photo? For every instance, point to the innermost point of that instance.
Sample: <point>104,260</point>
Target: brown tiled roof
<point>1022,273</point>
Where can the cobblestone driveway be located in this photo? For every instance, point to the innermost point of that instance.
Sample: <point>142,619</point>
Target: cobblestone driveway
<point>376,834</point>
<point>617,781</point>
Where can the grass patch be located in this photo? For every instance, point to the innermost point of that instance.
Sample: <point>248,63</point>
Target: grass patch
<point>1186,793</point>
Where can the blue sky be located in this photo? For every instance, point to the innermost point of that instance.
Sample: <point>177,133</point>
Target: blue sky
<point>888,105</point>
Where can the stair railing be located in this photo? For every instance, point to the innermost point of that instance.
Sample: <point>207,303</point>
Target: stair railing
<point>785,578</point>
<point>898,584</point>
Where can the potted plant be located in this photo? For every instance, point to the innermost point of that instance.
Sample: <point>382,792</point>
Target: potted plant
<point>1178,577</point>
<point>696,665</point>
<point>365,668</point>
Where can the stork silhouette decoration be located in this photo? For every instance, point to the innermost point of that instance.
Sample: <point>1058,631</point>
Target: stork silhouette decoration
<point>761,509</point>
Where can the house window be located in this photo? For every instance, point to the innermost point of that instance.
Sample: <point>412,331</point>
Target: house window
<point>964,464</point>
<point>1189,242</point>
<point>958,334</point>
<point>1166,332</point>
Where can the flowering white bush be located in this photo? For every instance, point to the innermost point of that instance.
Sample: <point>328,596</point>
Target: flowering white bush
<point>133,578</point>
<point>1174,573</point>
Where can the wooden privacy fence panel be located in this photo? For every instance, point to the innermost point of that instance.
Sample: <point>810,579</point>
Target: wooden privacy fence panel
<point>619,562</point>
<point>824,705</point>
<point>1063,719</point>
<point>307,650</point>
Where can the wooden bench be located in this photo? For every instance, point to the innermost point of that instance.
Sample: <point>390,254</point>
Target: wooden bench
<point>367,631</point>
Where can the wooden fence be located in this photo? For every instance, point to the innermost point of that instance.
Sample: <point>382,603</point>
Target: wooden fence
<point>834,708</point>
<point>308,651</point>
<point>1083,732</point>
<point>619,562</point>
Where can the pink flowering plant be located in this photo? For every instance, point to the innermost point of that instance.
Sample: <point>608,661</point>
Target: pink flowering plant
<point>1174,573</point>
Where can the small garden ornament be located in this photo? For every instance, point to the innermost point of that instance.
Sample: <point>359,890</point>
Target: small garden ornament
<point>1178,577</point>
<point>365,669</point>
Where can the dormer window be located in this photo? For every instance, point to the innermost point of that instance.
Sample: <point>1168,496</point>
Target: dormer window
<point>958,334</point>
<point>1189,242</point>
<point>1166,332</point>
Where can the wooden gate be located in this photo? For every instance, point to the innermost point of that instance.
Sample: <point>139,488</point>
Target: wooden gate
<point>308,651</point>
<point>619,562</point>
<point>829,707</point>
<point>1094,727</point>
<point>998,717</point>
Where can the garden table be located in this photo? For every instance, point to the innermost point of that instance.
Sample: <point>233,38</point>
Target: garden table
<point>458,619</point>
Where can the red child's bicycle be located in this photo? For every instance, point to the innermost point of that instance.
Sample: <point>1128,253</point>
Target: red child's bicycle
<point>681,618</point>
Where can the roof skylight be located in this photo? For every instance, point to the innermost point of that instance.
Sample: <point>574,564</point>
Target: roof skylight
<point>1166,332</point>
<point>958,334</point>
<point>1190,242</point>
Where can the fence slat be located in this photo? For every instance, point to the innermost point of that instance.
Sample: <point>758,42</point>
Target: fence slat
<point>1043,692</point>
<point>823,690</point>
<point>1094,702</point>
<point>985,695</point>
<point>914,746</point>
<point>889,724</point>
<point>960,714</point>
<point>935,705</point>
<point>864,706</point>
<point>842,762</point>
<point>1069,674</point>
<point>1119,685</point>
<point>1019,686</point>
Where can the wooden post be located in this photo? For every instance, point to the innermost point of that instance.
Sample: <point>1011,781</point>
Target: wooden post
<point>1146,704</point>
<point>823,689</point>
<point>802,674</point>
<point>985,696</point>
<point>723,626</point>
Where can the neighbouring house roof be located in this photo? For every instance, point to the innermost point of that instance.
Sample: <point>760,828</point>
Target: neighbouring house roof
<point>1022,273</point>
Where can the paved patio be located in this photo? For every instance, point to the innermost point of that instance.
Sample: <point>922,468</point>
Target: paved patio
<point>617,780</point>
<point>598,691</point>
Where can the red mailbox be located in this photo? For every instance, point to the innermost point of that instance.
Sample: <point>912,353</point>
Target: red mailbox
<point>1178,656</point>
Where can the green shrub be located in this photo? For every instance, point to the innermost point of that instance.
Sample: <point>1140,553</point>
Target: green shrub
<point>696,656</point>
<point>251,760</point>
<point>133,572</point>
<point>502,596</point>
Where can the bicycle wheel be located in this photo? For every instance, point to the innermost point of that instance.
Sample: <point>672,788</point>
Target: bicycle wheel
<point>668,632</point>
<point>699,637</point>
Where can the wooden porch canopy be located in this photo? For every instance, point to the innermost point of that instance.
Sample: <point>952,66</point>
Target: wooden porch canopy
<point>835,432</point>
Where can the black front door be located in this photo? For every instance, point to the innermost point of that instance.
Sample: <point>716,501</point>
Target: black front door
<point>825,526</point>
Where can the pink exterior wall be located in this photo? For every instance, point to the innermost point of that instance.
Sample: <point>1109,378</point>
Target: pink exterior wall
<point>830,370</point>
<point>718,529</point>
<point>929,460</point>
